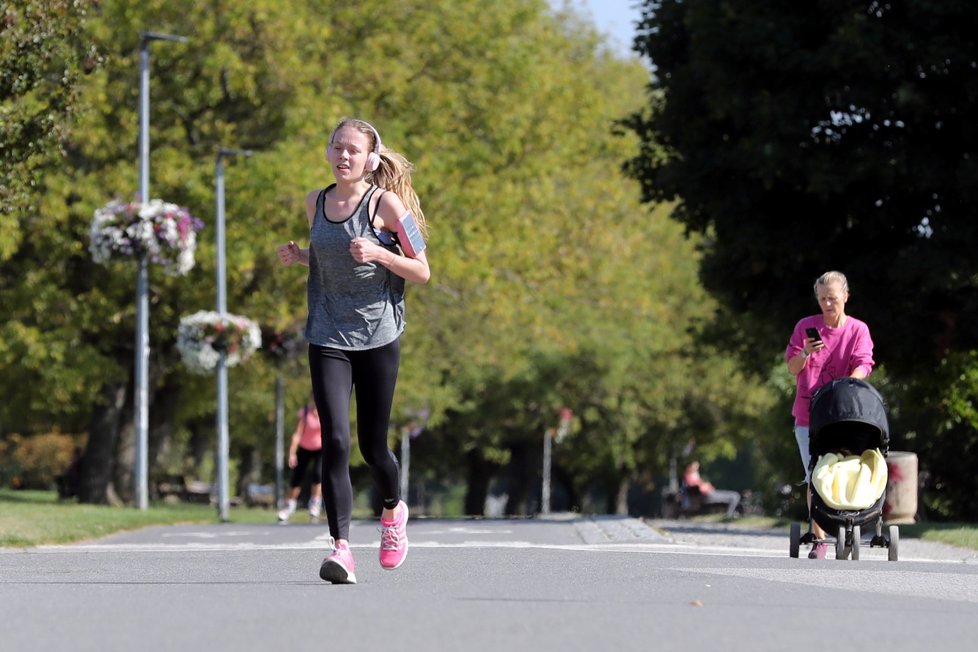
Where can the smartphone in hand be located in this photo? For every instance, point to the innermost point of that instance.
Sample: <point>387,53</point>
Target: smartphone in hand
<point>812,333</point>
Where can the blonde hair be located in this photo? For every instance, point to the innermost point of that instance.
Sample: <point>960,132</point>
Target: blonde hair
<point>832,277</point>
<point>393,173</point>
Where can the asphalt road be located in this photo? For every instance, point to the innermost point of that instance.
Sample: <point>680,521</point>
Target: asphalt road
<point>501,585</point>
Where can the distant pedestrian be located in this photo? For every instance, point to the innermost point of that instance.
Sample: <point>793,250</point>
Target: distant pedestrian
<point>305,449</point>
<point>711,495</point>
<point>365,233</point>
<point>822,348</point>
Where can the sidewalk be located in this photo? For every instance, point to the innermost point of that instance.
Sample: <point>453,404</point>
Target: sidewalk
<point>731,535</point>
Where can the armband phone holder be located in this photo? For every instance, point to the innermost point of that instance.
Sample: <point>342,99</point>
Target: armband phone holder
<point>409,235</point>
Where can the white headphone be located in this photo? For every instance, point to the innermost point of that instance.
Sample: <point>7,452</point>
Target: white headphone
<point>373,158</point>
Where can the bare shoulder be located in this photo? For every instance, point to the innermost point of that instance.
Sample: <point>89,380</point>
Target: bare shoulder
<point>390,207</point>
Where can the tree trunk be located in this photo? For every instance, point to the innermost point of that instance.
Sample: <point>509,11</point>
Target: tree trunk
<point>621,498</point>
<point>477,488</point>
<point>520,478</point>
<point>567,499</point>
<point>161,435</point>
<point>201,433</point>
<point>249,468</point>
<point>123,475</point>
<point>96,467</point>
<point>124,480</point>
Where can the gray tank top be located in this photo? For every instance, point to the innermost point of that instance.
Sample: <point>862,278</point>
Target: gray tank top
<point>352,305</point>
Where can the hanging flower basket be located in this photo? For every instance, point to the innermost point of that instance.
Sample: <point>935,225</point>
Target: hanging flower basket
<point>203,335</point>
<point>166,233</point>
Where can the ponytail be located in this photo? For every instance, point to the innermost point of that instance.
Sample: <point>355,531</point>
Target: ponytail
<point>394,174</point>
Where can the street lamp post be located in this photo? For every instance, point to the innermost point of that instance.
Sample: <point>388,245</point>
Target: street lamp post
<point>223,493</point>
<point>405,463</point>
<point>141,393</point>
<point>558,433</point>
<point>548,437</point>
<point>409,432</point>
<point>279,435</point>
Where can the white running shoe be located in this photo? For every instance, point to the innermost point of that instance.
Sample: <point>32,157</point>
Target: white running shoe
<point>286,512</point>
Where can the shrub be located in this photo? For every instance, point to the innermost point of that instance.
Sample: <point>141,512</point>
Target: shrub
<point>34,461</point>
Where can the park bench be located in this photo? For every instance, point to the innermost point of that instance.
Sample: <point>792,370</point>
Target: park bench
<point>688,501</point>
<point>188,491</point>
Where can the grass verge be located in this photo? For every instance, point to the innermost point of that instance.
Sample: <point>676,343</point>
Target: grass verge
<point>32,518</point>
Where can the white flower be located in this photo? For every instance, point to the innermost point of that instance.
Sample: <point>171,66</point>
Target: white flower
<point>165,232</point>
<point>202,335</point>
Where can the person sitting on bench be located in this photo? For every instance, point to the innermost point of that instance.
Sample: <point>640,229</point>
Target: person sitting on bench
<point>711,495</point>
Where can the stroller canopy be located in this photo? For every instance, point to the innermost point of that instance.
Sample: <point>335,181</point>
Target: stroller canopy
<point>848,413</point>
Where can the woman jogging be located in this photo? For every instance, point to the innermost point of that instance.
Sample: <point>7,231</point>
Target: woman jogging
<point>365,241</point>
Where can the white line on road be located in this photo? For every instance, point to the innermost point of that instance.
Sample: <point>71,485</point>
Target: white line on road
<point>318,544</point>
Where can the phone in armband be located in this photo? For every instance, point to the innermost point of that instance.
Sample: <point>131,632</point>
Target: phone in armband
<point>409,235</point>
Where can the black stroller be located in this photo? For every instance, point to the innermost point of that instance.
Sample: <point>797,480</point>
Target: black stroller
<point>849,415</point>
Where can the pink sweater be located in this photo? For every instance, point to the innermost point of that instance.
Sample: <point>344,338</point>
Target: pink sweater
<point>846,349</point>
<point>311,437</point>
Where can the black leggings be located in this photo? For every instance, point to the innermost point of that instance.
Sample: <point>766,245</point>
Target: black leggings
<point>302,457</point>
<point>335,375</point>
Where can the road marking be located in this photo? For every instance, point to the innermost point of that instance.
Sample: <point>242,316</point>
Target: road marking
<point>211,535</point>
<point>318,544</point>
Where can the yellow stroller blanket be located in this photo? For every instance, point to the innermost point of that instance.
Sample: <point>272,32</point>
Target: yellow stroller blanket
<point>851,482</point>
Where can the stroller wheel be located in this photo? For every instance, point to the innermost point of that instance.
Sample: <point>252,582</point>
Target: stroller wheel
<point>794,540</point>
<point>841,551</point>
<point>856,533</point>
<point>894,545</point>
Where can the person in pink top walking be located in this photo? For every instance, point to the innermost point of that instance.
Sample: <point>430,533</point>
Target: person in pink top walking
<point>822,348</point>
<point>306,447</point>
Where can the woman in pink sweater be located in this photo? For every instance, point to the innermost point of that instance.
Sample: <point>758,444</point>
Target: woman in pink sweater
<point>306,449</point>
<point>822,348</point>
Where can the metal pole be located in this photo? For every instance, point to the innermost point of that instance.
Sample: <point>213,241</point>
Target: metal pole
<point>545,494</point>
<point>141,392</point>
<point>141,371</point>
<point>279,436</point>
<point>223,439</point>
<point>223,499</point>
<point>405,462</point>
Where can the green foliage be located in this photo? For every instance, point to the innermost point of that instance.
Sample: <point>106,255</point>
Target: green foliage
<point>827,136</point>
<point>552,284</point>
<point>938,423</point>
<point>43,55</point>
<point>34,462</point>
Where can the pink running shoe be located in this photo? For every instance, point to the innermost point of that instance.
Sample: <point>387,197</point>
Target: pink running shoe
<point>818,551</point>
<point>393,539</point>
<point>339,567</point>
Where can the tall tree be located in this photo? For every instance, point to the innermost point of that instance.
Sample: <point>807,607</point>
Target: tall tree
<point>43,53</point>
<point>837,135</point>
<point>551,284</point>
